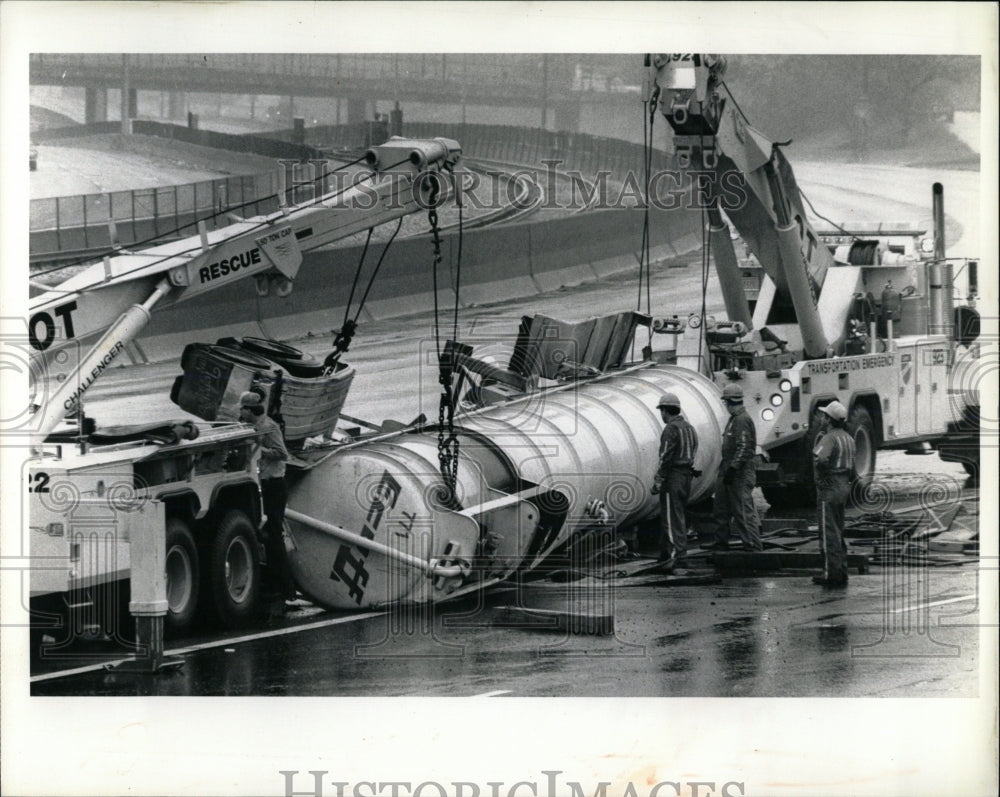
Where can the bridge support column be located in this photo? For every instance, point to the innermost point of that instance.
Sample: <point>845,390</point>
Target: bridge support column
<point>175,104</point>
<point>95,104</point>
<point>396,121</point>
<point>355,110</point>
<point>568,116</point>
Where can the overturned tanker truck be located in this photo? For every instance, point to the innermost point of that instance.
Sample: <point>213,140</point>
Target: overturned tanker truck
<point>532,475</point>
<point>437,511</point>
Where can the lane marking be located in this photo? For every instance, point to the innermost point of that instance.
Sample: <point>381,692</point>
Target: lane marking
<point>214,644</point>
<point>936,603</point>
<point>495,693</point>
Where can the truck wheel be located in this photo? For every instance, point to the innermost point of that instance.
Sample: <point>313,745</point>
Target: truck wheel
<point>861,428</point>
<point>271,348</point>
<point>292,360</point>
<point>183,576</point>
<point>795,458</point>
<point>239,357</point>
<point>234,570</point>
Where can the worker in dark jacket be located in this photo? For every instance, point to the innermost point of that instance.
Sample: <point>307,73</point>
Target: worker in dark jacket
<point>273,494</point>
<point>678,446</point>
<point>733,500</point>
<point>833,465</point>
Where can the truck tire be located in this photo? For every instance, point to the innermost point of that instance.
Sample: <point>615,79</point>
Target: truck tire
<point>291,360</point>
<point>239,357</point>
<point>861,428</point>
<point>234,577</point>
<point>795,458</point>
<point>183,576</point>
<point>271,348</point>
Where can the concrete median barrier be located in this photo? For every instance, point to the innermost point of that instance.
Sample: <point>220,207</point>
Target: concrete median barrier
<point>497,264</point>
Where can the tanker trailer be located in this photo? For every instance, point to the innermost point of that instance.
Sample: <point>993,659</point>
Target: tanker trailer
<point>374,524</point>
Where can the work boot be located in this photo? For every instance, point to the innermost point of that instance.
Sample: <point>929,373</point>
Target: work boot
<point>717,545</point>
<point>665,564</point>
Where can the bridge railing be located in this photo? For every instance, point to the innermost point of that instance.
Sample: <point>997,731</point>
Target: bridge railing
<point>80,223</point>
<point>517,71</point>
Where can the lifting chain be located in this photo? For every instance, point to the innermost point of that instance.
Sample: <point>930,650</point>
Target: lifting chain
<point>341,343</point>
<point>447,441</point>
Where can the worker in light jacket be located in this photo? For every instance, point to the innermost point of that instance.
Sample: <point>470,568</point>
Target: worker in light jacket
<point>678,446</point>
<point>273,494</point>
<point>732,504</point>
<point>833,466</point>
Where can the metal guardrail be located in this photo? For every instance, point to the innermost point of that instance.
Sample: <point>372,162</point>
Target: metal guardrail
<point>62,227</point>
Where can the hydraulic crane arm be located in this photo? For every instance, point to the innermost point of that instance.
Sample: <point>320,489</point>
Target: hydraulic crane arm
<point>751,181</point>
<point>113,299</point>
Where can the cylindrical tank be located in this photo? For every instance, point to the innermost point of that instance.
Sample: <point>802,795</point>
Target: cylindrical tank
<point>913,316</point>
<point>892,303</point>
<point>942,309</point>
<point>591,441</point>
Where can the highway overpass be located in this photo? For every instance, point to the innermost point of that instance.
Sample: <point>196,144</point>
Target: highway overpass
<point>559,83</point>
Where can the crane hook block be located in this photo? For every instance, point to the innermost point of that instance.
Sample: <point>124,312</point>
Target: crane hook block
<point>413,155</point>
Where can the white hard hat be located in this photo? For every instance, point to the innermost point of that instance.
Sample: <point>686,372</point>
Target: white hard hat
<point>669,400</point>
<point>835,410</point>
<point>732,393</point>
<point>251,399</point>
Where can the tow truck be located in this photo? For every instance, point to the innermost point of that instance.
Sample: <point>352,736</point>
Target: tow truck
<point>161,520</point>
<point>557,443</point>
<point>867,316</point>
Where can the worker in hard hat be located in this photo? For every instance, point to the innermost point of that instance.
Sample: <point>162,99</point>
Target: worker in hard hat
<point>273,494</point>
<point>833,466</point>
<point>732,504</point>
<point>678,446</point>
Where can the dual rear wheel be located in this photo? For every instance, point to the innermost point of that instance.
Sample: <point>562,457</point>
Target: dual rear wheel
<point>222,580</point>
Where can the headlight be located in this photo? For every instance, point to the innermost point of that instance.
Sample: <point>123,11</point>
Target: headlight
<point>777,399</point>
<point>785,385</point>
<point>767,414</point>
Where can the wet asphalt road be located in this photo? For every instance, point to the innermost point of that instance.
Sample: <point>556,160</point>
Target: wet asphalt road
<point>891,633</point>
